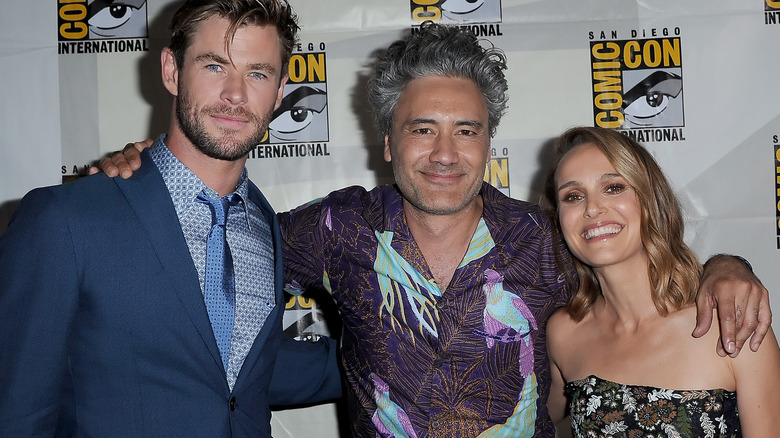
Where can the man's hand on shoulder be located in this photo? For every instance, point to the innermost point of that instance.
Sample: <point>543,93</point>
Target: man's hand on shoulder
<point>122,163</point>
<point>729,286</point>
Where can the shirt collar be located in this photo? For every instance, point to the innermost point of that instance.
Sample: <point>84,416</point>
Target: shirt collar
<point>182,183</point>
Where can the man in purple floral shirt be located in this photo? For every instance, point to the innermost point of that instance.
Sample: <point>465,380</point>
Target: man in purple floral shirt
<point>424,357</point>
<point>445,285</point>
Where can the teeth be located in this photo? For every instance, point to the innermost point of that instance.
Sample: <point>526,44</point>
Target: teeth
<point>596,232</point>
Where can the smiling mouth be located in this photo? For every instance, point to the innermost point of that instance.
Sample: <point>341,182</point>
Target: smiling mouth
<point>229,122</point>
<point>230,118</point>
<point>601,231</point>
<point>441,178</point>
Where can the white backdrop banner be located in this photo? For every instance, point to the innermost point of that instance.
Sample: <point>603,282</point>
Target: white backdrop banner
<point>692,80</point>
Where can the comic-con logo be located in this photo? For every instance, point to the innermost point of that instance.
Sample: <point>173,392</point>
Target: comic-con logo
<point>771,11</point>
<point>497,170</point>
<point>776,141</point>
<point>303,319</point>
<point>299,127</point>
<point>638,83</point>
<point>463,12</point>
<point>100,26</point>
<point>302,115</point>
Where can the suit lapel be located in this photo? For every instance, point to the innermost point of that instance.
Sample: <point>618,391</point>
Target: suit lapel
<point>149,198</point>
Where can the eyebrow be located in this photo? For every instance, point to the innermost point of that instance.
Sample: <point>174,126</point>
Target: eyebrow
<point>219,59</point>
<point>424,121</point>
<point>472,123</point>
<point>606,176</point>
<point>211,57</point>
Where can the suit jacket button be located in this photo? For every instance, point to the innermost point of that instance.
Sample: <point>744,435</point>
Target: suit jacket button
<point>233,403</point>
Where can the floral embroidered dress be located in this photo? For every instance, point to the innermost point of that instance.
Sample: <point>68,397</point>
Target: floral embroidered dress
<point>600,408</point>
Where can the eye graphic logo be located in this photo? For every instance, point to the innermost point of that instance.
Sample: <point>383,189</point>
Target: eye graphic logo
<point>85,20</point>
<point>653,100</point>
<point>456,11</point>
<point>458,8</point>
<point>304,320</point>
<point>117,19</point>
<point>302,116</point>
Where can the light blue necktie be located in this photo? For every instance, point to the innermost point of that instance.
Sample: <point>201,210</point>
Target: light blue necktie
<point>219,283</point>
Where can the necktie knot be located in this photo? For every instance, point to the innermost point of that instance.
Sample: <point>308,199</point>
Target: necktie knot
<point>218,206</point>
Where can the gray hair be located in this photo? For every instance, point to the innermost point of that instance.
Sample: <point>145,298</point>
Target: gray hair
<point>437,50</point>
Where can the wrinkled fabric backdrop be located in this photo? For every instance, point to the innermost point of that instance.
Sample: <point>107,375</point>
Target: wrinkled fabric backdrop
<point>692,80</point>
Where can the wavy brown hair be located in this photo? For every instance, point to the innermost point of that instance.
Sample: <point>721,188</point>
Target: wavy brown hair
<point>674,270</point>
<point>277,13</point>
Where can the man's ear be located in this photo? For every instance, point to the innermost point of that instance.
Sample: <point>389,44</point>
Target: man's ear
<point>388,157</point>
<point>280,92</point>
<point>170,71</point>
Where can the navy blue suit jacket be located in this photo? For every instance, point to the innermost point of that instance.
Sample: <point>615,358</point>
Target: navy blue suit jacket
<point>104,332</point>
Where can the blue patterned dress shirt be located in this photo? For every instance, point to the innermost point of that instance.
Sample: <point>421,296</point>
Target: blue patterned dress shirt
<point>249,238</point>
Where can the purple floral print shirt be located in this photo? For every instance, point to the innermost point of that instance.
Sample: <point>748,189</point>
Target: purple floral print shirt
<point>424,362</point>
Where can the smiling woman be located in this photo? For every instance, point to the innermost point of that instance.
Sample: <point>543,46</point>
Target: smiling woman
<point>628,169</point>
<point>599,211</point>
<point>629,322</point>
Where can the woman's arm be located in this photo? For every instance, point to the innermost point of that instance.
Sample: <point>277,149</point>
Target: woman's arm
<point>556,402</point>
<point>758,389</point>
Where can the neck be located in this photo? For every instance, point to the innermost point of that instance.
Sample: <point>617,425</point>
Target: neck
<point>443,239</point>
<point>626,292</point>
<point>219,175</point>
<point>443,228</point>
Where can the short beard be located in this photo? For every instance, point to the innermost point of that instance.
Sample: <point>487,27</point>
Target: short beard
<point>225,148</point>
<point>411,194</point>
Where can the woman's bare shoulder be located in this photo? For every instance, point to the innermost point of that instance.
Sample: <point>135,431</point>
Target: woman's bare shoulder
<point>562,329</point>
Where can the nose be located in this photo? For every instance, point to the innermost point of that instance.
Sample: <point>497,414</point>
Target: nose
<point>593,207</point>
<point>444,151</point>
<point>234,89</point>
